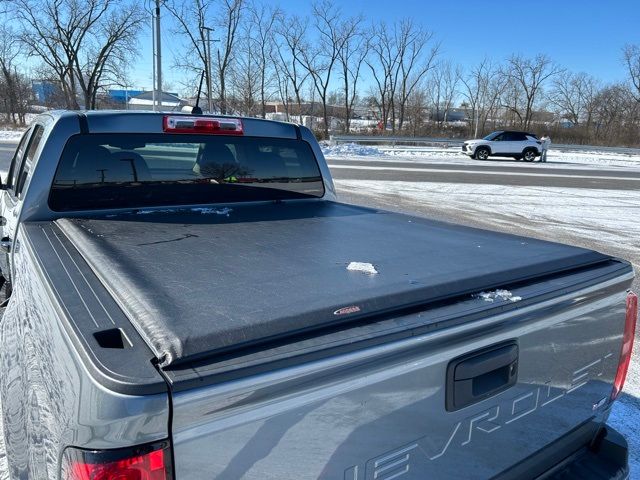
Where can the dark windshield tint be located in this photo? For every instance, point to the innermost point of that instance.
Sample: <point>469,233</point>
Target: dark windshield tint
<point>100,171</point>
<point>492,135</point>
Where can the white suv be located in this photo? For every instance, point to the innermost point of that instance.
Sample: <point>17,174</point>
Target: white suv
<point>504,143</point>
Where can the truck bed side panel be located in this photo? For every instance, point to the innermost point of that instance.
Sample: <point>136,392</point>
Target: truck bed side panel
<point>49,398</point>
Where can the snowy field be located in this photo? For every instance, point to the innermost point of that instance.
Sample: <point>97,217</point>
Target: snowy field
<point>575,215</point>
<point>453,156</point>
<point>608,214</point>
<point>10,136</point>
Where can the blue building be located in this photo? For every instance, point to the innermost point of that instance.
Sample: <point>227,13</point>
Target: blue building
<point>122,96</point>
<point>43,90</point>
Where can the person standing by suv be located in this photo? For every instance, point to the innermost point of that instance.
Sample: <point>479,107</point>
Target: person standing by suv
<point>546,143</point>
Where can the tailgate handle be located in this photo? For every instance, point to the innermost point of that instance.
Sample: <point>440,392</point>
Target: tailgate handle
<point>480,375</point>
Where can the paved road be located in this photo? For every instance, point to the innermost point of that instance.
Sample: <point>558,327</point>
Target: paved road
<point>496,173</point>
<point>6,153</point>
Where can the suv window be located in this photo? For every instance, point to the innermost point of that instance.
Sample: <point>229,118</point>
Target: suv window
<point>101,171</point>
<point>518,137</point>
<point>27,161</point>
<point>17,158</point>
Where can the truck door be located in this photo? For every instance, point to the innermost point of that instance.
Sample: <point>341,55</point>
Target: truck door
<point>12,194</point>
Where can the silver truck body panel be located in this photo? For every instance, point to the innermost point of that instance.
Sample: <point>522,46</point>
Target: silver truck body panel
<point>49,399</point>
<point>380,412</point>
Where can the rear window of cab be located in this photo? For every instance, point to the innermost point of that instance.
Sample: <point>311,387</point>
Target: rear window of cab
<point>107,171</point>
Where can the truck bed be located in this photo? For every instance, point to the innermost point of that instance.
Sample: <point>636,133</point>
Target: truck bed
<point>197,282</point>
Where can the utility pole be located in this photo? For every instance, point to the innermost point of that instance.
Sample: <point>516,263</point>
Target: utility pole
<point>158,55</point>
<point>153,62</point>
<point>209,79</point>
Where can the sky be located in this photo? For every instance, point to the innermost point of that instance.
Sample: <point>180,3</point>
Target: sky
<point>582,36</point>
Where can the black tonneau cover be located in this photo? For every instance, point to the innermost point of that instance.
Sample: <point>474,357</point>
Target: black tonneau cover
<point>196,282</point>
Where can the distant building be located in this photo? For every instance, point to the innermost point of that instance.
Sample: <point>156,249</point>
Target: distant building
<point>566,123</point>
<point>44,90</point>
<point>122,96</point>
<point>144,101</point>
<point>451,115</point>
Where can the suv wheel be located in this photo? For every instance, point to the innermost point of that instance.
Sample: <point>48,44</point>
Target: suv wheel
<point>529,155</point>
<point>482,153</point>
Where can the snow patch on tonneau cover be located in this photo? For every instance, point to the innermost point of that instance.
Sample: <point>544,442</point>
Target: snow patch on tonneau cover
<point>362,267</point>
<point>203,210</point>
<point>214,211</point>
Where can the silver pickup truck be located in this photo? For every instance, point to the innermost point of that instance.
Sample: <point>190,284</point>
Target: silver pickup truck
<point>186,299</point>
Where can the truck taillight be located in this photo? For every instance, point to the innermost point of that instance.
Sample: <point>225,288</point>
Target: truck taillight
<point>207,125</point>
<point>149,462</point>
<point>627,344</point>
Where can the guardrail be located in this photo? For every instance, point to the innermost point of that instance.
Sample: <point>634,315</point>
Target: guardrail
<point>436,142</point>
<point>457,143</point>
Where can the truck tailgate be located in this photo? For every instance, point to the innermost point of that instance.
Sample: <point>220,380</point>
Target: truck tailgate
<point>382,411</point>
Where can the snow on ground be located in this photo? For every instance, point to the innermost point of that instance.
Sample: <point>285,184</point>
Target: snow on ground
<point>13,136</point>
<point>608,215</point>
<point>452,155</point>
<point>625,419</point>
<point>349,149</point>
<point>10,136</point>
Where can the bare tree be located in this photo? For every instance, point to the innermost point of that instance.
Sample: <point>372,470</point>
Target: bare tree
<point>245,74</point>
<point>400,59</point>
<point>527,76</point>
<point>290,70</point>
<point>476,87</point>
<point>484,86</point>
<point>443,87</point>
<point>383,62</point>
<point>490,106</point>
<point>282,84</point>
<point>84,42</point>
<point>416,57</point>
<point>192,19</point>
<point>228,22</point>
<point>262,24</point>
<point>11,82</point>
<point>415,110</point>
<point>320,58</point>
<point>631,58</point>
<point>615,107</point>
<point>114,42</point>
<point>355,48</point>
<point>572,95</point>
